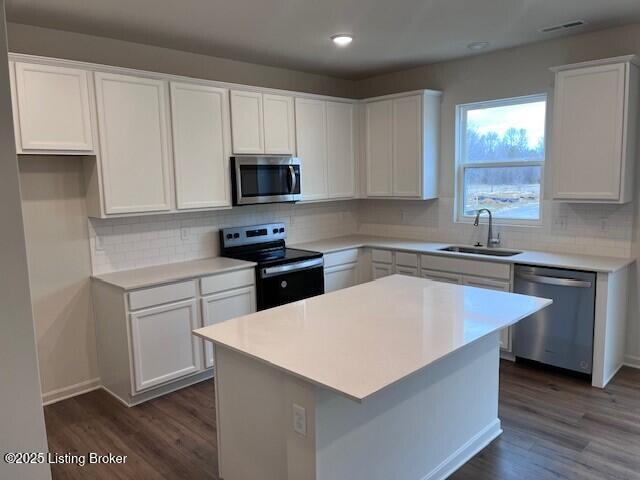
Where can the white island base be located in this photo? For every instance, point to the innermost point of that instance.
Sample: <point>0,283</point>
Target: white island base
<point>395,379</point>
<point>423,427</point>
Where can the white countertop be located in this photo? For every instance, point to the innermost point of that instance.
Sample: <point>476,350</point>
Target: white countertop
<point>173,272</point>
<point>527,257</point>
<point>360,340</point>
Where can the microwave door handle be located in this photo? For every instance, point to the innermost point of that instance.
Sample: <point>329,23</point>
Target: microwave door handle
<point>292,178</point>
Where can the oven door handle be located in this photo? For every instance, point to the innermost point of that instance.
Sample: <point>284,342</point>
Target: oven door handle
<point>291,267</point>
<point>293,178</point>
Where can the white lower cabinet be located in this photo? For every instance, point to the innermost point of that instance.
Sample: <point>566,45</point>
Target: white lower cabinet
<point>442,276</point>
<point>145,341</point>
<point>411,271</point>
<point>223,306</point>
<point>474,273</point>
<point>380,270</point>
<point>164,348</point>
<point>340,276</point>
<point>505,333</point>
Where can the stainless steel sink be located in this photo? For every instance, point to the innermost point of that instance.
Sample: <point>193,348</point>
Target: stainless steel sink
<point>494,252</point>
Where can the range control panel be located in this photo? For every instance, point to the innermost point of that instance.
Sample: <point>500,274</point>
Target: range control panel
<point>240,236</point>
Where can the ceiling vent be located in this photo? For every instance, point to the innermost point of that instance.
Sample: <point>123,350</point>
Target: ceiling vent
<point>564,26</point>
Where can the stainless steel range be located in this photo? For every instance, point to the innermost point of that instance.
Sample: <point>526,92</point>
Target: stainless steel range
<point>283,275</point>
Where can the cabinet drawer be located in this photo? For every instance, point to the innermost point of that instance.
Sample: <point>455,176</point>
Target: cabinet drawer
<point>467,267</point>
<point>407,259</point>
<point>441,276</point>
<point>410,271</point>
<point>172,292</point>
<point>486,283</point>
<point>227,281</point>
<point>382,256</point>
<point>340,258</point>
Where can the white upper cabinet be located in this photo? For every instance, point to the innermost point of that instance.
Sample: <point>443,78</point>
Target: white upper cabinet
<point>341,160</point>
<point>134,143</point>
<point>52,109</point>
<point>407,146</point>
<point>379,150</point>
<point>594,131</point>
<point>247,122</point>
<point>201,145</point>
<point>311,135</point>
<point>279,125</point>
<point>262,123</point>
<point>402,145</point>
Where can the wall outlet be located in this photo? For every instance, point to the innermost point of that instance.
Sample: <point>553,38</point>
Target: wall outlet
<point>604,224</point>
<point>299,420</point>
<point>98,243</point>
<point>561,222</point>
<point>185,233</point>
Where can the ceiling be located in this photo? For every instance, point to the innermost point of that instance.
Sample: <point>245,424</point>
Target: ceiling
<point>389,34</point>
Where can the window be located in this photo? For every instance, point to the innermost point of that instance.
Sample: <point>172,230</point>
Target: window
<point>500,155</point>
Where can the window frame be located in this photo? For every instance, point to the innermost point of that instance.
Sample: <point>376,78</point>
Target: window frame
<point>461,167</point>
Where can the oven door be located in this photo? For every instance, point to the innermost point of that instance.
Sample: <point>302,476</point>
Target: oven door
<point>290,282</point>
<point>265,180</point>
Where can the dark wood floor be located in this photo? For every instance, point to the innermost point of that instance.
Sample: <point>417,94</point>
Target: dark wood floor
<point>555,427</point>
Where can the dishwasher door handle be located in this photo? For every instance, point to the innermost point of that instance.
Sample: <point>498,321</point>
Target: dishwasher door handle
<point>562,282</point>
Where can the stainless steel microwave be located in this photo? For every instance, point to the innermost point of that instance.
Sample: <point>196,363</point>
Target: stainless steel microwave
<point>265,179</point>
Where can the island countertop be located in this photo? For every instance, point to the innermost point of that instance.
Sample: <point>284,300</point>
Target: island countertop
<point>360,340</point>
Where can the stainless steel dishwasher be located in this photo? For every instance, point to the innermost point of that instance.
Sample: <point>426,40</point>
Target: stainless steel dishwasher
<point>561,334</point>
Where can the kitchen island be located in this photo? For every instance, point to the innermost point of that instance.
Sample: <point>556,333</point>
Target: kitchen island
<point>396,378</point>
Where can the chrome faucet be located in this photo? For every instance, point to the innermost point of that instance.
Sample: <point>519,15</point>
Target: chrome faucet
<point>491,242</point>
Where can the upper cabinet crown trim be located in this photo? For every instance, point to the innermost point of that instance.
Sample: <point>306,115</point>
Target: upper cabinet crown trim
<point>99,67</point>
<point>603,61</point>
<point>427,92</point>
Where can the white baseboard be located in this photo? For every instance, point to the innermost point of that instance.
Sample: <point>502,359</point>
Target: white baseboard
<point>53,396</point>
<point>461,456</point>
<point>632,361</point>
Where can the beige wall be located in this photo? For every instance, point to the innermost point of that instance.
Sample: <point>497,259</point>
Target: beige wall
<point>87,48</point>
<point>53,200</point>
<point>21,419</point>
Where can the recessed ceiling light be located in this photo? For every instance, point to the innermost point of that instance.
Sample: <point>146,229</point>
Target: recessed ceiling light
<point>342,39</point>
<point>477,45</point>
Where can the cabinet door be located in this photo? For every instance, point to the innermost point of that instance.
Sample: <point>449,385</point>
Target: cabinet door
<point>246,122</point>
<point>311,135</point>
<point>445,277</point>
<point>53,110</point>
<point>505,333</point>
<point>340,276</point>
<point>134,145</point>
<point>380,270</point>
<point>279,125</point>
<point>341,163</point>
<point>223,306</point>
<point>407,146</point>
<point>410,271</point>
<point>588,133</point>
<point>164,348</point>
<point>379,148</point>
<point>201,146</point>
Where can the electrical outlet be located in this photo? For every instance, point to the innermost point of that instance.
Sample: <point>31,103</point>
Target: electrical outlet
<point>185,233</point>
<point>98,244</point>
<point>561,222</point>
<point>604,224</point>
<point>299,420</point>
